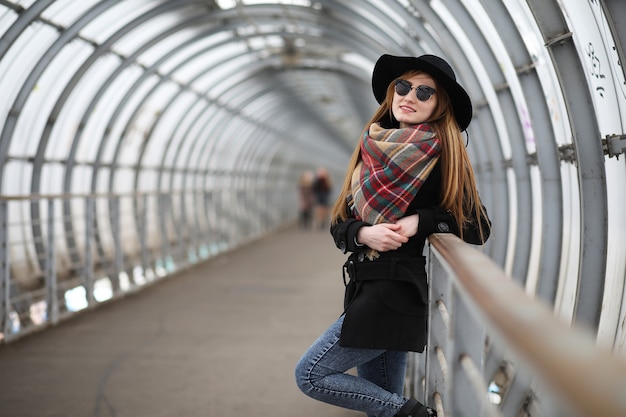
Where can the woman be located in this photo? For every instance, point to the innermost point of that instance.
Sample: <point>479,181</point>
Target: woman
<point>410,176</point>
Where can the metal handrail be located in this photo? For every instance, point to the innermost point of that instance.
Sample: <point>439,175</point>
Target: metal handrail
<point>581,376</point>
<point>111,244</point>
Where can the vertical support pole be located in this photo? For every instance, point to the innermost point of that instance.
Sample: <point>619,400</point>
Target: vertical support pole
<point>181,227</point>
<point>5,278</point>
<point>52,301</point>
<point>212,232</point>
<point>88,276</point>
<point>116,226</point>
<point>441,344</point>
<point>469,335</point>
<point>143,233</point>
<point>164,212</point>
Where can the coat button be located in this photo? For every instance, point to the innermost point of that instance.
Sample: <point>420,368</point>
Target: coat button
<point>443,227</point>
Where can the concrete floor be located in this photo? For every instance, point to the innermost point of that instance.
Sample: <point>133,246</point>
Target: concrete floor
<point>220,340</point>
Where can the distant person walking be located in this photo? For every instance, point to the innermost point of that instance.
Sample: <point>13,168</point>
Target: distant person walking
<point>306,199</point>
<point>322,188</point>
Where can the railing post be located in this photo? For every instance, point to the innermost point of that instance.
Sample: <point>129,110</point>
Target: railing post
<point>116,229</point>
<point>52,299</point>
<point>561,362</point>
<point>469,395</point>
<point>88,276</point>
<point>439,335</point>
<point>5,278</point>
<point>143,234</point>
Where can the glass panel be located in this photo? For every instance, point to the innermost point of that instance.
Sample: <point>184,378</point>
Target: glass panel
<point>567,290</point>
<point>98,121</point>
<point>64,13</point>
<point>178,111</point>
<point>213,55</point>
<point>500,51</point>
<point>81,179</point>
<point>533,41</point>
<point>40,102</point>
<point>200,135</point>
<point>51,174</point>
<point>74,110</point>
<point>17,65</point>
<point>17,177</point>
<point>480,72</point>
<point>603,70</point>
<point>7,18</point>
<point>153,28</point>
<point>118,126</point>
<point>304,3</point>
<point>536,236</point>
<point>143,123</point>
<point>166,45</point>
<point>25,3</point>
<point>113,19</point>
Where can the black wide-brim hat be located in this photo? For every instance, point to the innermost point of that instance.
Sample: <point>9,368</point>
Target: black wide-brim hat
<point>389,67</point>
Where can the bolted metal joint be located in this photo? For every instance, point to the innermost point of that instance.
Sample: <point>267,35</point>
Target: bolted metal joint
<point>567,153</point>
<point>614,145</point>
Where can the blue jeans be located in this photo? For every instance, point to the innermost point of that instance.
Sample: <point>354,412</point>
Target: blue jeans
<point>377,390</point>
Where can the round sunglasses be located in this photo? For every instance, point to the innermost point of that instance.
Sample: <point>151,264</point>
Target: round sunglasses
<point>423,92</point>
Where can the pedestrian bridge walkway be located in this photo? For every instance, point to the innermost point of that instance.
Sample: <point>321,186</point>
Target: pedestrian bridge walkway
<point>218,340</point>
<point>149,159</point>
<point>221,338</point>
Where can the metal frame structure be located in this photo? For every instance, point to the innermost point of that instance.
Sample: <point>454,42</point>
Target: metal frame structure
<point>138,137</point>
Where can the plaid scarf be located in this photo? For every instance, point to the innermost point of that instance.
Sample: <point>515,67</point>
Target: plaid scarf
<point>394,165</point>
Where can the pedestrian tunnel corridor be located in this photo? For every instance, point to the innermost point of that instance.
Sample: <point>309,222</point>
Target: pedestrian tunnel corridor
<point>142,139</point>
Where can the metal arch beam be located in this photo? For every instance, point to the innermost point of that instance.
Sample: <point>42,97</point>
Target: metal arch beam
<point>25,18</point>
<point>613,9</point>
<point>494,69</point>
<point>154,68</point>
<point>138,82</point>
<point>68,35</point>
<point>233,95</point>
<point>7,133</point>
<point>65,94</point>
<point>161,169</point>
<point>101,50</point>
<point>27,87</point>
<point>546,155</point>
<point>244,97</point>
<point>342,16</point>
<point>182,225</point>
<point>485,122</point>
<point>589,157</point>
<point>353,38</point>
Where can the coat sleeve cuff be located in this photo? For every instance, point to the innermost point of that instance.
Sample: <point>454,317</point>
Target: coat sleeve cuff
<point>436,220</point>
<point>344,234</point>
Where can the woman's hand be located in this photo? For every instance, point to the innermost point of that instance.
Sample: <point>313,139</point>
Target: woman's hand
<point>408,225</point>
<point>382,237</point>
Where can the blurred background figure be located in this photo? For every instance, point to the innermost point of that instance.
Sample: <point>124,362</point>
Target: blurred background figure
<point>307,200</point>
<point>321,188</point>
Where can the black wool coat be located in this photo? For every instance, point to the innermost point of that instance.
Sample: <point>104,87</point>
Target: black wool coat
<point>386,299</point>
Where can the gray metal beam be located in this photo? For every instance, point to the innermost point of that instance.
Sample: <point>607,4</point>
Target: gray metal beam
<point>589,159</point>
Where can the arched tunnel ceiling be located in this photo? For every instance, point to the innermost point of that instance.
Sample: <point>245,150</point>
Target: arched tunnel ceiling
<point>162,96</point>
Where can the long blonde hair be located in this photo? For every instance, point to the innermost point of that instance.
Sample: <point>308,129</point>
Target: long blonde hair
<point>459,193</point>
